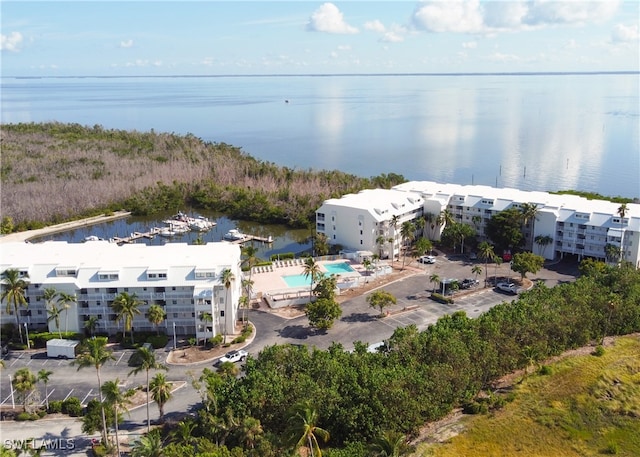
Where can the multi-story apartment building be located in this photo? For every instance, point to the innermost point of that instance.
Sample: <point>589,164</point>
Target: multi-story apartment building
<point>568,223</point>
<point>184,279</point>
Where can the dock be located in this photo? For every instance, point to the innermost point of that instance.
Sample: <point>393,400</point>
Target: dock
<point>136,236</point>
<point>247,238</point>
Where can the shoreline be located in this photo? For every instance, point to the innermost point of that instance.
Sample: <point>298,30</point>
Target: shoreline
<point>63,227</point>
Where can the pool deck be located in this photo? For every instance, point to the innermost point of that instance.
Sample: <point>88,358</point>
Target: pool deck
<point>271,282</point>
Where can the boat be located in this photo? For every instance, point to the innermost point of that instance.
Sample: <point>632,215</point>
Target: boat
<point>92,238</point>
<point>200,224</point>
<point>234,235</point>
<point>167,232</point>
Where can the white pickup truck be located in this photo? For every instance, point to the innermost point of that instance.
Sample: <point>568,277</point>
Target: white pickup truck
<point>233,356</point>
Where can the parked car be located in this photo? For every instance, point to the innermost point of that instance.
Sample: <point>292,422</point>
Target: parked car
<point>507,287</point>
<point>468,283</point>
<point>233,356</point>
<point>473,256</point>
<point>427,259</point>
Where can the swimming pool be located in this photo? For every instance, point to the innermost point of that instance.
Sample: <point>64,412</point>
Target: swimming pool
<point>338,268</point>
<point>297,280</point>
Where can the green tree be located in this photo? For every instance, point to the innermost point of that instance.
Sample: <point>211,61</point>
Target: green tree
<point>326,287</point>
<point>149,445</point>
<point>390,444</point>
<point>49,295</point>
<point>368,266</point>
<point>322,313</point>
<point>118,402</point>
<point>6,226</point>
<point>528,212</point>
<point>228,370</point>
<point>476,270</point>
<point>504,229</point>
<point>14,285</point>
<point>381,299</point>
<point>250,432</point>
<point>311,270</point>
<point>160,392</point>
<point>66,301</point>
<point>148,362</point>
<point>156,315</point>
<point>393,223</point>
<point>543,241</point>
<point>44,376</point>
<point>407,232</point>
<point>227,277</point>
<point>622,212</point>
<point>94,353</point>
<point>303,430</point>
<point>320,244</point>
<point>486,253</point>
<point>24,383</point>
<point>423,245</point>
<point>526,262</point>
<point>54,312</point>
<point>434,279</point>
<point>91,324</point>
<point>127,306</point>
<point>380,241</point>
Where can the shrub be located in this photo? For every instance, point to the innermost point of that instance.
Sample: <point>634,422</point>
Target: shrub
<point>599,351</point>
<point>158,341</point>
<point>99,450</point>
<point>441,298</point>
<point>41,413</point>
<point>24,416</point>
<point>55,406</point>
<point>215,340</point>
<point>239,339</point>
<point>72,407</point>
<point>545,370</point>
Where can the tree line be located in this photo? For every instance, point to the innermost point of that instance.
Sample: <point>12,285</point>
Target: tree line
<point>54,172</point>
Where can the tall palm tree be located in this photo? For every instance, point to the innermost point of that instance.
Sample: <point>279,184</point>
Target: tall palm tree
<point>419,224</point>
<point>227,279</point>
<point>311,269</point>
<point>147,362</point>
<point>250,253</point>
<point>54,315</point>
<point>66,301</point>
<point>393,223</point>
<point>118,401</point>
<point>160,392</point>
<point>43,375</point>
<point>183,433</point>
<point>486,253</point>
<point>303,431</point>
<point>94,353</point>
<point>407,232</point>
<point>149,445</point>
<point>543,241</point>
<point>14,285</point>
<point>156,315</point>
<point>390,444</point>
<point>126,307</point>
<point>380,241</point>
<point>529,212</point>
<point>622,212</point>
<point>247,286</point>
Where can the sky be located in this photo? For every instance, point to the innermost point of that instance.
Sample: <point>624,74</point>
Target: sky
<point>160,38</point>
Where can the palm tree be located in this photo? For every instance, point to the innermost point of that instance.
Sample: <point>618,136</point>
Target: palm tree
<point>156,315</point>
<point>54,315</point>
<point>485,252</point>
<point>24,382</point>
<point>250,253</point>
<point>380,241</point>
<point>543,241</point>
<point>303,430</point>
<point>247,285</point>
<point>243,302</point>
<point>476,270</point>
<point>311,270</point>
<point>434,279</point>
<point>126,307</point>
<point>160,392</point>
<point>149,445</point>
<point>14,285</point>
<point>250,431</point>
<point>390,444</point>
<point>183,433</point>
<point>393,223</point>
<point>43,375</point>
<point>622,212</point>
<point>529,212</point>
<point>66,301</point>
<point>147,362</point>
<point>227,278</point>
<point>366,263</point>
<point>91,324</point>
<point>407,232</point>
<point>94,353</point>
<point>419,224</point>
<point>118,401</point>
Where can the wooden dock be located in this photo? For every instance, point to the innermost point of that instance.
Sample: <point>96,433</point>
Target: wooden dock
<point>136,236</point>
<point>248,238</point>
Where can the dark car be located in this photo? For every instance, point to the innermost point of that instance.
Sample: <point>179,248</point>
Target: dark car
<point>468,283</point>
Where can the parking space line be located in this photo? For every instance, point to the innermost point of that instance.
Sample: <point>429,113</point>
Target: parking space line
<point>85,397</point>
<point>45,362</point>
<point>30,362</point>
<point>8,397</point>
<point>47,397</point>
<point>68,395</point>
<point>19,357</point>
<point>119,359</point>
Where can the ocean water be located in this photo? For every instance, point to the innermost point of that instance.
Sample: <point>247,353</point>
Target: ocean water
<point>531,131</point>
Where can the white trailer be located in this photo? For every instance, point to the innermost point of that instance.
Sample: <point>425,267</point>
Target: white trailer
<point>62,349</point>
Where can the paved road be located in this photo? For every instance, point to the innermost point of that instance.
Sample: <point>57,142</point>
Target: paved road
<point>358,323</point>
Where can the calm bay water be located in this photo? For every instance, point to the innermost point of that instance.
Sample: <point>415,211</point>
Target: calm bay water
<point>534,132</point>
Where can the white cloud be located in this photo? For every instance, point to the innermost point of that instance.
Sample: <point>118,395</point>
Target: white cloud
<point>328,18</point>
<point>11,42</point>
<point>470,44</point>
<point>392,37</point>
<point>625,34</point>
<point>344,47</point>
<point>374,26</point>
<point>451,16</point>
<point>126,44</point>
<point>474,16</point>
<point>500,57</point>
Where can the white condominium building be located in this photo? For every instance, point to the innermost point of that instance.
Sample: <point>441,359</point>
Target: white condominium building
<point>569,224</point>
<point>186,280</point>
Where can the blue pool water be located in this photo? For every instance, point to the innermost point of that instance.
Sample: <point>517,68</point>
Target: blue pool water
<point>297,280</point>
<point>338,268</point>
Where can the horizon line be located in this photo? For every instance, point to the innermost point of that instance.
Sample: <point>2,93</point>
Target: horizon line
<point>267,75</point>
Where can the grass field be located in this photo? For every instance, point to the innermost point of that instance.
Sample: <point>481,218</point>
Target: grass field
<point>586,405</point>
